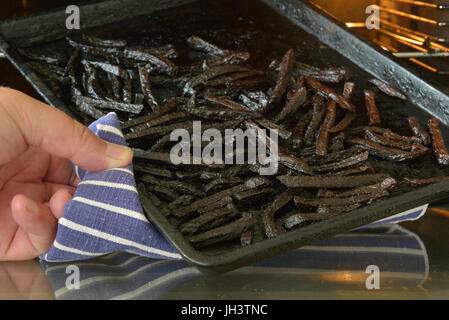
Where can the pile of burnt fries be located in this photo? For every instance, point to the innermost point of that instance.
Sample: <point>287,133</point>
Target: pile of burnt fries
<point>324,167</point>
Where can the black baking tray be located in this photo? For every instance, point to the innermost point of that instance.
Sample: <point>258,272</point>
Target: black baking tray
<point>261,27</point>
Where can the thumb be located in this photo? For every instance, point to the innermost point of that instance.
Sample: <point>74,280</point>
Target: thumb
<point>56,133</point>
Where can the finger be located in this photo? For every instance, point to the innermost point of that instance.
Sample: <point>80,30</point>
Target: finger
<point>37,228</point>
<point>58,201</point>
<point>58,134</point>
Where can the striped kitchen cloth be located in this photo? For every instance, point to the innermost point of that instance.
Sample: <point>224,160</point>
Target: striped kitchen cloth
<point>105,214</point>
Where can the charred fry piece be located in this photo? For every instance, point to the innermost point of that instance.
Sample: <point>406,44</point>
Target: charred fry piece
<point>298,131</point>
<point>212,73</point>
<point>209,220</point>
<point>221,113</point>
<point>374,137</point>
<point>145,85</point>
<point>170,105</point>
<point>171,117</point>
<point>224,233</point>
<point>197,43</point>
<point>103,42</point>
<point>386,153</point>
<point>439,148</point>
<point>167,51</point>
<point>388,184</point>
<point>104,51</point>
<point>228,181</point>
<point>294,163</point>
<point>255,101</point>
<point>92,84</point>
<point>157,61</point>
<point>271,228</point>
<point>323,132</point>
<point>253,195</point>
<point>226,103</point>
<point>333,157</point>
<point>126,90</point>
<point>153,171</point>
<point>116,86</point>
<point>386,133</point>
<point>343,164</point>
<point>344,123</point>
<point>88,108</point>
<point>324,75</point>
<point>293,104</point>
<point>215,205</point>
<point>179,186</point>
<point>228,80</point>
<point>319,110</point>
<point>418,131</point>
<point>330,181</point>
<point>337,143</point>
<point>267,124</point>
<point>109,68</point>
<point>340,202</point>
<point>330,94</point>
<point>387,89</point>
<point>251,183</point>
<point>164,192</point>
<point>103,104</point>
<point>285,71</point>
<point>424,182</point>
<point>371,109</point>
<point>364,168</point>
<point>183,200</point>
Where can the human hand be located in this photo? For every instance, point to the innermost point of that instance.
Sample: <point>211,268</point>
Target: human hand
<point>36,180</point>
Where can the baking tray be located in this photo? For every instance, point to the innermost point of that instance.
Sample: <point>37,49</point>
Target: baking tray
<point>261,27</point>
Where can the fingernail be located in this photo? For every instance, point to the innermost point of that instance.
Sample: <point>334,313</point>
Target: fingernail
<point>118,155</point>
<point>31,206</point>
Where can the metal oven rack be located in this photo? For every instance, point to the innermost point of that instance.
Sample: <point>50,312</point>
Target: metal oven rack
<point>423,46</point>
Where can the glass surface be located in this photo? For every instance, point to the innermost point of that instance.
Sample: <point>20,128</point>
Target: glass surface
<point>412,259</point>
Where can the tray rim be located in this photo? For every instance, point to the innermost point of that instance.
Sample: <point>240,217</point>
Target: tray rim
<point>269,247</point>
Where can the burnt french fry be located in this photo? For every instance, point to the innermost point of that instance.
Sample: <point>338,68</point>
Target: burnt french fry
<point>252,183</point>
<point>215,205</point>
<point>331,181</point>
<point>385,132</point>
<point>209,220</point>
<point>292,105</point>
<point>374,137</point>
<point>267,124</point>
<point>271,228</point>
<point>283,78</point>
<point>319,110</point>
<point>169,106</point>
<point>302,218</point>
<point>330,94</point>
<point>171,117</point>
<point>294,163</point>
<point>332,157</point>
<point>212,73</point>
<point>225,233</point>
<point>299,130</point>
<point>388,184</point>
<point>183,200</point>
<point>418,131</point>
<point>103,42</point>
<point>176,185</point>
<point>157,61</point>
<point>103,104</point>
<point>200,44</point>
<point>323,132</point>
<point>424,182</point>
<point>364,168</point>
<point>439,148</point>
<point>387,89</point>
<point>386,153</point>
<point>145,85</point>
<point>324,75</point>
<point>371,109</point>
<point>337,143</point>
<point>228,181</point>
<point>221,113</point>
<point>253,195</point>
<point>341,201</point>
<point>343,164</point>
<point>228,80</point>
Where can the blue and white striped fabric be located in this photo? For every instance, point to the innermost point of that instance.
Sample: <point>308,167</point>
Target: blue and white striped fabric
<point>338,263</point>
<point>105,214</point>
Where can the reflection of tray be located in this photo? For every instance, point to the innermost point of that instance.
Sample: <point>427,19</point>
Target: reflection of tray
<point>255,27</point>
